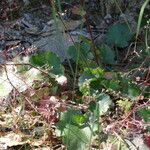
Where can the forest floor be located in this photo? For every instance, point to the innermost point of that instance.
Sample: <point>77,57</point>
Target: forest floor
<point>74,78</point>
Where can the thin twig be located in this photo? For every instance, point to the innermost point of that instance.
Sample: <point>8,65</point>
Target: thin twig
<point>33,107</point>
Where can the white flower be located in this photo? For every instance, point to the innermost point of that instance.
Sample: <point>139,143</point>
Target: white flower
<point>62,80</point>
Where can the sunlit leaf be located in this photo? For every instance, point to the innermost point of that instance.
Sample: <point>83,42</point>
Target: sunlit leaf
<point>125,105</point>
<point>104,102</point>
<point>89,74</point>
<point>5,89</point>
<point>76,138</point>
<point>74,117</point>
<point>85,76</point>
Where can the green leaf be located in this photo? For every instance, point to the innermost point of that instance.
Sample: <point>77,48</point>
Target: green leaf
<point>76,138</point>
<point>145,113</point>
<point>79,51</point>
<point>107,54</point>
<point>104,102</point>
<point>92,106</point>
<point>85,76</point>
<point>118,35</point>
<point>73,52</point>
<point>61,125</point>
<point>114,85</point>
<point>133,91</point>
<point>89,74</point>
<point>74,117</point>
<point>95,85</point>
<point>48,58</point>
<point>75,132</point>
<point>89,80</point>
<point>111,84</point>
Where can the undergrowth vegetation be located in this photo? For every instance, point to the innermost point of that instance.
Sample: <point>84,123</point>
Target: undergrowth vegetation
<point>98,98</point>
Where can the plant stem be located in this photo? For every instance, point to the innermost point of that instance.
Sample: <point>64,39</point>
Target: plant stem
<point>92,39</point>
